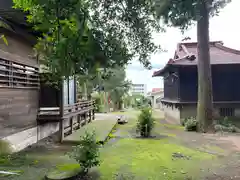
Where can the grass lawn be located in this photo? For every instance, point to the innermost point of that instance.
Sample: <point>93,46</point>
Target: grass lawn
<point>34,163</point>
<point>124,157</point>
<point>150,159</point>
<point>128,157</point>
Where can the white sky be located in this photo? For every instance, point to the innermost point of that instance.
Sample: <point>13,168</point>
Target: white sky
<point>225,27</point>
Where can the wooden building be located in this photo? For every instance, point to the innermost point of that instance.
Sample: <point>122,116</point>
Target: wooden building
<point>19,77</point>
<point>30,110</point>
<point>181,81</point>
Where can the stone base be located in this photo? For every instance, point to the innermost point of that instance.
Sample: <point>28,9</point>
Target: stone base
<point>175,113</point>
<point>23,139</point>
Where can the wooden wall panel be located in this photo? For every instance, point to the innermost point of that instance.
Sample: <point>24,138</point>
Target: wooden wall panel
<point>18,103</point>
<point>18,110</point>
<point>171,86</point>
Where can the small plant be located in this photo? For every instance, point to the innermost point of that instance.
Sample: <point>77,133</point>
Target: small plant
<point>145,122</point>
<point>191,124</point>
<point>183,121</point>
<point>87,152</point>
<point>225,125</point>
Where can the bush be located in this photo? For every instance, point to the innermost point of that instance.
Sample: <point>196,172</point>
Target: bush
<point>145,122</point>
<point>191,124</point>
<point>87,152</point>
<point>225,125</point>
<point>183,121</point>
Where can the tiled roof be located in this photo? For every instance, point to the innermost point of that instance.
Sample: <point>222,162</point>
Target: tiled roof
<point>186,54</point>
<point>156,89</point>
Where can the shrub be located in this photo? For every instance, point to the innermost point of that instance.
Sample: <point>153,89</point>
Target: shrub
<point>225,125</point>
<point>145,122</point>
<point>87,152</point>
<point>191,124</point>
<point>183,121</point>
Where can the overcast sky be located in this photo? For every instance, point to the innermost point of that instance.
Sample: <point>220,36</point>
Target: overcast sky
<point>225,27</point>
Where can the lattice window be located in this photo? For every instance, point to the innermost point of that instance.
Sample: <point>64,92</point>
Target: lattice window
<point>17,75</point>
<point>226,112</point>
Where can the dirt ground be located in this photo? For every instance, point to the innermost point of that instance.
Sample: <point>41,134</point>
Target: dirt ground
<point>225,145</point>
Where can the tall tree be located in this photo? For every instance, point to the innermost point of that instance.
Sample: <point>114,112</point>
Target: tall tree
<point>117,86</point>
<point>79,34</point>
<point>182,14</point>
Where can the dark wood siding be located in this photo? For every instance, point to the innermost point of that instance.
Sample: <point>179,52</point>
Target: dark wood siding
<point>226,83</point>
<point>225,80</point>
<point>19,84</point>
<point>18,109</point>
<point>188,83</point>
<point>171,86</point>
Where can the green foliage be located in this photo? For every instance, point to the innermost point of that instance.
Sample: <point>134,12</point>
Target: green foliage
<point>145,122</point>
<point>81,35</point>
<point>183,14</point>
<point>4,148</point>
<point>87,152</point>
<point>139,101</point>
<point>191,124</point>
<point>225,125</point>
<point>97,103</point>
<point>4,25</point>
<point>183,121</point>
<point>66,171</point>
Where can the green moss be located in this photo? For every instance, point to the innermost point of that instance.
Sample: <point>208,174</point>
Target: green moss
<point>64,172</point>
<point>5,147</point>
<point>150,159</point>
<point>101,128</point>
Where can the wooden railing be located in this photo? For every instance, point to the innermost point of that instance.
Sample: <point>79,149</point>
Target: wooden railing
<point>72,118</point>
<point>16,75</point>
<point>80,107</point>
<point>53,113</point>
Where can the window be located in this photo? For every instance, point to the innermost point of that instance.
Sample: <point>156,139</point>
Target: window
<point>18,75</point>
<point>226,112</point>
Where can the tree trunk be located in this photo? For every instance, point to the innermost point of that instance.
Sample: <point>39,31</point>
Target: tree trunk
<point>205,99</point>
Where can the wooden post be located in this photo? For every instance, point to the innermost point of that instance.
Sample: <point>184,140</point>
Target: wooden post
<point>61,120</point>
<point>71,125</point>
<point>93,114</point>
<point>85,118</point>
<point>79,120</point>
<point>93,110</point>
<point>90,116</point>
<point>61,130</point>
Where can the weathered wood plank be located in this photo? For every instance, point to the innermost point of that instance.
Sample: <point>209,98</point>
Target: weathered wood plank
<point>18,109</point>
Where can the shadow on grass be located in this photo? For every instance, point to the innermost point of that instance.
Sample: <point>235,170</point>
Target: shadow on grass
<point>152,137</point>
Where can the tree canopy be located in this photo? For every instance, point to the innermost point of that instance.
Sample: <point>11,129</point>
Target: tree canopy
<point>184,13</point>
<point>79,35</point>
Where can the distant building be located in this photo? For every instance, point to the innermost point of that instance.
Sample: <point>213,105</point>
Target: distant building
<point>157,89</point>
<point>140,89</point>
<point>155,96</point>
